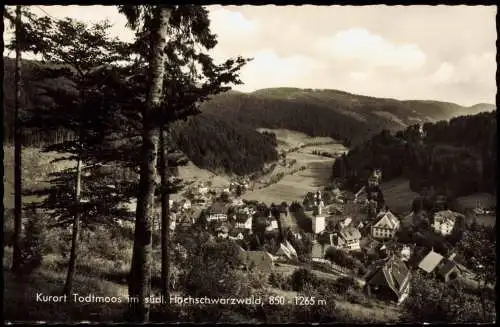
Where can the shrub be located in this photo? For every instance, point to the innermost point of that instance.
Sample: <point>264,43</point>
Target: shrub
<point>301,277</point>
<point>32,244</point>
<point>344,284</point>
<point>8,231</point>
<point>280,281</point>
<point>324,313</point>
<point>357,297</point>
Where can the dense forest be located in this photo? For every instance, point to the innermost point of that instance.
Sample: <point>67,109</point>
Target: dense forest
<point>209,141</point>
<point>221,146</point>
<point>457,157</point>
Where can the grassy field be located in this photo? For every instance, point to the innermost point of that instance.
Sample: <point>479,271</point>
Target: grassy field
<point>398,196</point>
<point>289,139</point>
<point>293,187</point>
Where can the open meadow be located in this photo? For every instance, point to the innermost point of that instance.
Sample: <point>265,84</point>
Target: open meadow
<point>288,139</point>
<point>317,173</point>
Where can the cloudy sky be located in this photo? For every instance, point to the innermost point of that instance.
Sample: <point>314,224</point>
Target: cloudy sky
<point>442,53</point>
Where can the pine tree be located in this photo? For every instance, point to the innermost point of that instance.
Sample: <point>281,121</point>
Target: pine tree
<point>178,99</point>
<point>80,54</point>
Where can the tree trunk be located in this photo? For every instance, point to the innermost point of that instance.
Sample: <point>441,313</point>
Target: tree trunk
<point>16,260</point>
<point>165,219</point>
<point>68,287</point>
<point>140,272</point>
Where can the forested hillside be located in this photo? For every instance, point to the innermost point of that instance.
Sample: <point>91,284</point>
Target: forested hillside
<point>344,116</point>
<point>458,157</point>
<point>221,146</point>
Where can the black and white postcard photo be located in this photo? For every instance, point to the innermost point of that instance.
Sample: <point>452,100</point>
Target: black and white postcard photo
<point>249,164</point>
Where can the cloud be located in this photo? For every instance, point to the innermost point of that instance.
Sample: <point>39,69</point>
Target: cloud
<point>444,73</point>
<point>405,52</point>
<point>371,50</point>
<point>359,76</point>
<point>267,69</point>
<point>232,25</point>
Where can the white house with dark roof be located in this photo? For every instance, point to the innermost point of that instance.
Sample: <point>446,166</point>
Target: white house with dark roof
<point>351,237</point>
<point>386,226</point>
<point>444,222</point>
<point>244,221</point>
<point>217,212</point>
<point>286,250</point>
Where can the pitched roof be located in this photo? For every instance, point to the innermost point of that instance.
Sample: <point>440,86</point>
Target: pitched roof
<point>392,272</point>
<point>447,216</point>
<point>336,240</point>
<point>290,248</point>
<point>350,233</point>
<point>430,261</point>
<point>283,250</point>
<point>387,220</point>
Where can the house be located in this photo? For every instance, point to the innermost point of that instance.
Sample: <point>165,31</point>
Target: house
<point>203,189</point>
<point>444,222</point>
<point>173,221</point>
<point>222,232</point>
<point>386,225</point>
<point>286,250</point>
<point>257,260</point>
<point>350,236</point>
<point>388,279</point>
<point>337,241</point>
<point>185,204</point>
<point>448,270</point>
<point>430,262</point>
<point>405,253</point>
<point>273,224</point>
<point>217,212</point>
<point>244,221</point>
<point>236,234</point>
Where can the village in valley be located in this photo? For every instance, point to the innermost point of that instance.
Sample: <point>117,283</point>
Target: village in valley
<point>336,233</point>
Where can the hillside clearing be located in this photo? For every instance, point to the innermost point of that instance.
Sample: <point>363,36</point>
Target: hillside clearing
<point>288,139</point>
<point>294,187</point>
